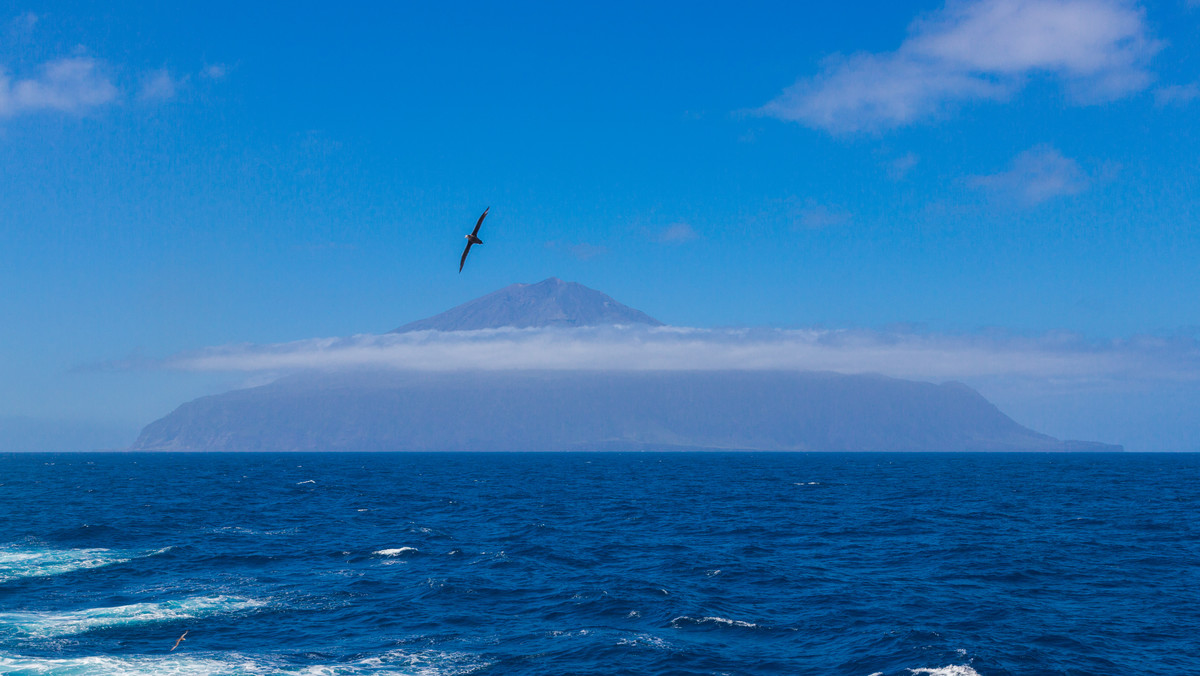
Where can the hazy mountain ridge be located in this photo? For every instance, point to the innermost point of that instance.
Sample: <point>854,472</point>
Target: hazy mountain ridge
<point>550,302</point>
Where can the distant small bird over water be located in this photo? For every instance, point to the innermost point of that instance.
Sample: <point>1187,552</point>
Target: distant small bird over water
<point>472,239</point>
<point>177,642</point>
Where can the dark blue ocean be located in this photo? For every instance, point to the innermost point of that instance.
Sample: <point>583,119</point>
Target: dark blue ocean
<point>624,563</point>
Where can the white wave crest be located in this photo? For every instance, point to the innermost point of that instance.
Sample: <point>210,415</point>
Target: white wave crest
<point>52,624</point>
<point>19,562</point>
<point>952,670</point>
<point>686,619</point>
<point>393,663</point>
<point>400,551</point>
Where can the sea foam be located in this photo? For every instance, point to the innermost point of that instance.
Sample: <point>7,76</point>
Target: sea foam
<point>19,562</point>
<point>952,670</point>
<point>66,623</point>
<point>393,663</point>
<point>399,551</point>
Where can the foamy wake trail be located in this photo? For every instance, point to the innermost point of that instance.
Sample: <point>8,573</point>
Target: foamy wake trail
<point>51,624</point>
<point>18,562</point>
<point>952,670</point>
<point>394,663</point>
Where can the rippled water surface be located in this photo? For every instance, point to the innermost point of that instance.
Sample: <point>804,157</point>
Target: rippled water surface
<point>345,564</point>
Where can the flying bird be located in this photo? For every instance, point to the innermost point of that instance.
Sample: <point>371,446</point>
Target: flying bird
<point>177,642</point>
<point>472,239</point>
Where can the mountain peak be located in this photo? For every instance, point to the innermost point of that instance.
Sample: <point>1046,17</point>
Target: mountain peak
<point>550,302</point>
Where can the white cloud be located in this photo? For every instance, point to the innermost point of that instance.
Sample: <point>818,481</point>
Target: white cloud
<point>73,85</point>
<point>982,50</point>
<point>158,85</point>
<point>1036,175</point>
<point>1177,94</point>
<point>677,233</point>
<point>214,71</point>
<point>1058,357</point>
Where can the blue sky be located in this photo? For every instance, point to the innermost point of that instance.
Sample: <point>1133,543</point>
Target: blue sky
<point>176,179</point>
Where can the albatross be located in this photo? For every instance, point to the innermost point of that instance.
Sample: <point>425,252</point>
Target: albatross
<point>178,641</point>
<point>472,239</point>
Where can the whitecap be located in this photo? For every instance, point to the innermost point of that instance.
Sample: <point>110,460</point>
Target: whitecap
<point>952,670</point>
<point>19,562</point>
<point>686,619</point>
<point>66,623</point>
<point>400,551</point>
<point>400,663</point>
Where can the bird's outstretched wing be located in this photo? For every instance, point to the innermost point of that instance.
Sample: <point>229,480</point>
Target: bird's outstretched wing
<point>479,222</point>
<point>463,262</point>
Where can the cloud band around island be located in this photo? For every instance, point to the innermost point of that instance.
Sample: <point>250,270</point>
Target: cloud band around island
<point>1061,357</point>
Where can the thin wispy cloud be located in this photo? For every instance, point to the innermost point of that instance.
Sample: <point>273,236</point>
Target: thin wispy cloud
<point>984,50</point>
<point>21,27</point>
<point>580,250</point>
<point>214,71</point>
<point>676,233</point>
<point>1035,176</point>
<point>817,216</point>
<point>1061,357</point>
<point>584,251</point>
<point>1177,94</point>
<point>158,85</point>
<point>72,85</point>
<point>898,168</point>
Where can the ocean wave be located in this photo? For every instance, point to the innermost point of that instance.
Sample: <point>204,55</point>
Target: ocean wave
<point>19,562</point>
<point>242,530</point>
<point>645,641</point>
<point>399,551</point>
<point>952,670</point>
<point>687,620</point>
<point>66,623</point>
<point>393,663</point>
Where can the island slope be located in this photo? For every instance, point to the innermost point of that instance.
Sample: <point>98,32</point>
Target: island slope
<point>592,410</point>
